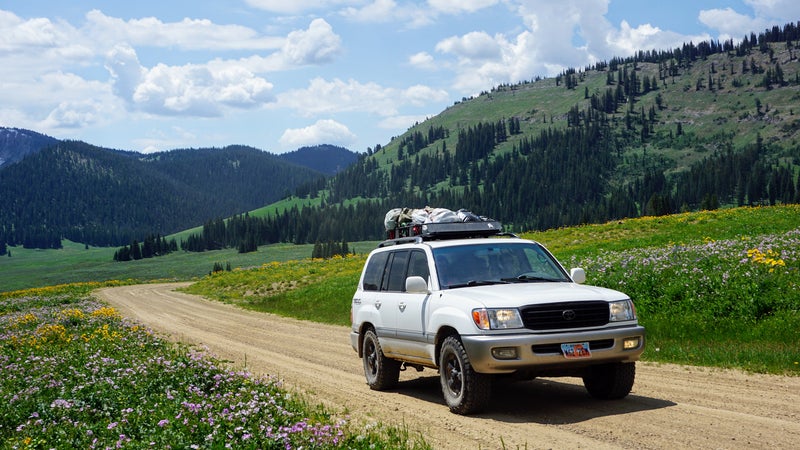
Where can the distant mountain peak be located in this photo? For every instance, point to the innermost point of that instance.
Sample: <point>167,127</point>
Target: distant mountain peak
<point>325,158</point>
<point>17,143</point>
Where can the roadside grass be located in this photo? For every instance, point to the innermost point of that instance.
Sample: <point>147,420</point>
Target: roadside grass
<point>78,375</point>
<point>713,288</point>
<point>319,290</point>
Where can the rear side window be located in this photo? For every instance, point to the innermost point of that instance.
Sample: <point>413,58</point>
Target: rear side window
<point>397,274</point>
<point>374,273</point>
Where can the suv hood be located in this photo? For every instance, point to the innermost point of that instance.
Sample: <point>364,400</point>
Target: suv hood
<point>520,294</point>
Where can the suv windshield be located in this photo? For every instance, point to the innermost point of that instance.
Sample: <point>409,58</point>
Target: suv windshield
<point>483,264</point>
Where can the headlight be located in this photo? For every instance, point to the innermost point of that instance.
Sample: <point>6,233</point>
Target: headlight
<point>621,311</point>
<point>497,319</point>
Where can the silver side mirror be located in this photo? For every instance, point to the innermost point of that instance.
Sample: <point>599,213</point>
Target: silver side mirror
<point>416,285</point>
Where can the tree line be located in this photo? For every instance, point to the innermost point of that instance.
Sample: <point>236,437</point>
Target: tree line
<point>152,246</point>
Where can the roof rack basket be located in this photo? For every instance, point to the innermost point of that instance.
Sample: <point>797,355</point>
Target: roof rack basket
<point>447,230</point>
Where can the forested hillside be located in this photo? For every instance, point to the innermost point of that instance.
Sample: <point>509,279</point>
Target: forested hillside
<point>706,125</point>
<point>102,197</point>
<point>328,159</point>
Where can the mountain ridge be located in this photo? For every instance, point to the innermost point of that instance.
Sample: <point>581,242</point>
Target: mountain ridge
<point>104,197</point>
<point>17,143</point>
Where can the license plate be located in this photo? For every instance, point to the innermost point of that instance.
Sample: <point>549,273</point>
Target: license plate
<point>576,351</point>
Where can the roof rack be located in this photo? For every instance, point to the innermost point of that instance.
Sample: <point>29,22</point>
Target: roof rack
<point>444,230</point>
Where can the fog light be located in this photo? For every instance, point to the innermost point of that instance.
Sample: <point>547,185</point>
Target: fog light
<point>630,343</point>
<point>505,352</point>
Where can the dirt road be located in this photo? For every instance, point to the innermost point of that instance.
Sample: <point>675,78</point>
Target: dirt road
<point>670,406</point>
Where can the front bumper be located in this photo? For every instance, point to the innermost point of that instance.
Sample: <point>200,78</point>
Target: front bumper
<point>543,351</point>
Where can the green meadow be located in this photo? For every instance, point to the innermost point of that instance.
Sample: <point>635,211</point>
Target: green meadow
<point>714,288</point>
<point>27,268</point>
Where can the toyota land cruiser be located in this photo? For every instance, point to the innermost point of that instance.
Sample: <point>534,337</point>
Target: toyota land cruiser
<point>475,303</point>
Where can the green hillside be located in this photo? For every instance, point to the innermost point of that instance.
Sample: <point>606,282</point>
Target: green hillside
<point>730,112</point>
<point>700,127</point>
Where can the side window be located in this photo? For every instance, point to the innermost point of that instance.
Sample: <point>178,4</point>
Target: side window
<point>397,271</point>
<point>418,266</point>
<point>373,274</point>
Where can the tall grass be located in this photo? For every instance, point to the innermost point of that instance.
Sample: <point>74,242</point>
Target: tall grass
<point>716,288</point>
<point>729,303</point>
<point>75,374</point>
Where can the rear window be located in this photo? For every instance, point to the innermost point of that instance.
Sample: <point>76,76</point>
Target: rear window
<point>397,272</point>
<point>373,274</point>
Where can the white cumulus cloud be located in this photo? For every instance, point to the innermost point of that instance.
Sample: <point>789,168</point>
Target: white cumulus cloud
<point>191,89</point>
<point>297,6</point>
<point>324,131</point>
<point>316,45</point>
<point>375,12</point>
<point>337,96</point>
<point>731,24</point>
<point>475,45</point>
<point>457,6</point>
<point>775,10</point>
<point>190,34</point>
<point>422,60</point>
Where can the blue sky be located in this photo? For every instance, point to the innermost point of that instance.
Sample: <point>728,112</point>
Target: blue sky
<point>281,74</point>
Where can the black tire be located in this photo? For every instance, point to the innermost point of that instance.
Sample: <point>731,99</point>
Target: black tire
<point>381,372</point>
<point>465,391</point>
<point>610,381</point>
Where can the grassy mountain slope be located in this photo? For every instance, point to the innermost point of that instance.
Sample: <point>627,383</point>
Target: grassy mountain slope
<point>665,143</point>
<point>726,113</point>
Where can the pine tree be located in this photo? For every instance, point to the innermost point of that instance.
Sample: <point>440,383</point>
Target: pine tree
<point>136,251</point>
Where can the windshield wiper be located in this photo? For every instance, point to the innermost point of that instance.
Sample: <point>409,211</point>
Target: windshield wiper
<point>527,278</point>
<point>478,283</point>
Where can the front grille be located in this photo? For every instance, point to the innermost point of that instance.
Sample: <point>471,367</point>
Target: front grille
<point>556,316</point>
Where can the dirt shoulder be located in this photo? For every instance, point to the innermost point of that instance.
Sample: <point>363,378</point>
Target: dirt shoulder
<point>670,407</point>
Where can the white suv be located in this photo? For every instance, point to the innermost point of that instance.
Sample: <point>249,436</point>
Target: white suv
<point>473,307</point>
